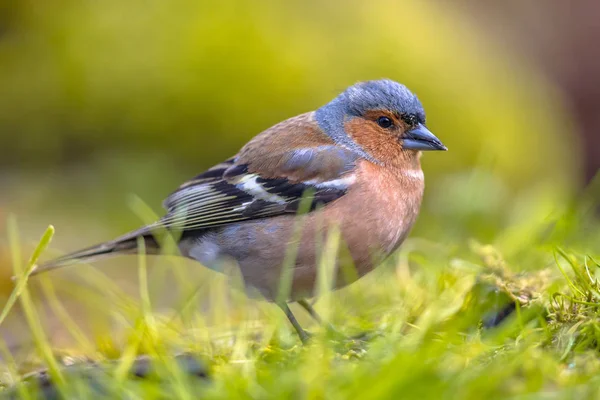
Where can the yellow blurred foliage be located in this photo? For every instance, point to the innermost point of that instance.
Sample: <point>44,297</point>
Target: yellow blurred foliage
<point>195,80</point>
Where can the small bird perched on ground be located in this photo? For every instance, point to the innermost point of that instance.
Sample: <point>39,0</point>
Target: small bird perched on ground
<point>354,162</point>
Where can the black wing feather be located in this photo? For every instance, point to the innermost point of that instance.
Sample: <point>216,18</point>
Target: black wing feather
<point>215,201</point>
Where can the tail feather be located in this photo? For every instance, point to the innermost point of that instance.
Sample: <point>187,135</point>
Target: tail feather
<point>126,244</point>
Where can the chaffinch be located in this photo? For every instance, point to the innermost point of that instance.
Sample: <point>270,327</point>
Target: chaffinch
<point>355,161</point>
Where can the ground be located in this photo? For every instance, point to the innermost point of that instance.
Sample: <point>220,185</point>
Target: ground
<point>433,322</point>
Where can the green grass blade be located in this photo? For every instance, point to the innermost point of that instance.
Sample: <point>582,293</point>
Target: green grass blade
<point>21,282</point>
<point>39,337</point>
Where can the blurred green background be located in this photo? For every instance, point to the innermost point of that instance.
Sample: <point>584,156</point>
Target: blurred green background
<point>102,100</point>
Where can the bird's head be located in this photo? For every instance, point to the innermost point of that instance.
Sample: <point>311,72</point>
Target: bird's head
<point>378,118</point>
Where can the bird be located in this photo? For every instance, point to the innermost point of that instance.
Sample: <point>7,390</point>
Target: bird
<point>352,166</point>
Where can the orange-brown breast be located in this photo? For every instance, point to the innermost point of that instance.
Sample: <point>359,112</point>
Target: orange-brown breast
<point>379,211</point>
<point>374,218</point>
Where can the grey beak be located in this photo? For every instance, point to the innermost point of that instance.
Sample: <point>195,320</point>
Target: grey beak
<point>420,138</point>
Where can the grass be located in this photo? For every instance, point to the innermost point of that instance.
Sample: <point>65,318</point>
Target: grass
<point>452,320</point>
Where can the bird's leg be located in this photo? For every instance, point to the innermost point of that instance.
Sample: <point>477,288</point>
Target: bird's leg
<point>309,308</point>
<point>304,336</point>
<point>313,313</point>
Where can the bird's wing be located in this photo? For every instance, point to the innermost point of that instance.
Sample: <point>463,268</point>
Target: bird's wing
<point>260,183</point>
<point>269,177</point>
<point>233,191</point>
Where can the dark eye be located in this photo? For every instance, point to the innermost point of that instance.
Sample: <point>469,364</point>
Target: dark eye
<point>384,122</point>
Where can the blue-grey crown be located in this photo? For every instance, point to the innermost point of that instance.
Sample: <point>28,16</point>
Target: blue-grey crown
<point>383,94</point>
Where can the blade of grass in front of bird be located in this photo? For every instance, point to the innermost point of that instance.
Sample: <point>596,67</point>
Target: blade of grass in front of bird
<point>144,291</point>
<point>146,329</point>
<point>240,348</point>
<point>20,283</point>
<point>129,354</point>
<point>160,353</point>
<point>33,321</point>
<point>145,325</point>
<point>291,253</point>
<point>327,267</point>
<point>167,239</point>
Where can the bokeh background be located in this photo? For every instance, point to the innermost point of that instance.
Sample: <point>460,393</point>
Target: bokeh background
<point>101,101</point>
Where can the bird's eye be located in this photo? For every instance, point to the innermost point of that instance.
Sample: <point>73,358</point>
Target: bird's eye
<point>384,122</point>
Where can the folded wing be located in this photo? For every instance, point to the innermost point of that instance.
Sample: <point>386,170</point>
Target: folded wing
<point>270,176</point>
<point>237,190</point>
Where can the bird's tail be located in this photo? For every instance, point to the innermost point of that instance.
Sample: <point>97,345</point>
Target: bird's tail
<point>126,244</point>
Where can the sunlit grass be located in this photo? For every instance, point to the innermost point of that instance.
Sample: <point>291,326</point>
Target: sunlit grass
<point>432,322</point>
